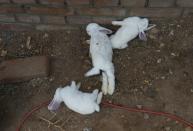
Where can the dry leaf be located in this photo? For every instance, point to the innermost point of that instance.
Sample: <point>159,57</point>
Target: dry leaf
<point>3,52</point>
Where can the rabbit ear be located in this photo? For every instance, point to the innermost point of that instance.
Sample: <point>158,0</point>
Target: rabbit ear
<point>105,30</point>
<point>54,105</point>
<point>142,26</point>
<point>142,36</point>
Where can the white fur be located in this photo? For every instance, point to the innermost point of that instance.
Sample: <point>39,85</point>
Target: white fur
<point>130,28</point>
<point>83,103</point>
<point>101,54</point>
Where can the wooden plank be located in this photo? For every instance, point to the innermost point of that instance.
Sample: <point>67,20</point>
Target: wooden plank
<point>24,69</point>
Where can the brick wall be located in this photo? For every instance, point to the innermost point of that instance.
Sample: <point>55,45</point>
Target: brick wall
<point>69,14</point>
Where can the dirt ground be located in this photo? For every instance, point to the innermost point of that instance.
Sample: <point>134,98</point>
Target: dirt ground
<point>157,74</point>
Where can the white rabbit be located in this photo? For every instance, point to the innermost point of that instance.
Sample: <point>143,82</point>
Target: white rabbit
<point>101,54</point>
<point>83,103</point>
<point>130,28</point>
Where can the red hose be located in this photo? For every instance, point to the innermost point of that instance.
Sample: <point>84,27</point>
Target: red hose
<point>165,114</point>
<point>116,106</point>
<point>28,114</point>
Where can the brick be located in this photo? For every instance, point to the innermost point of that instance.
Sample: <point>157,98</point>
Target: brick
<point>78,2</point>
<point>102,11</point>
<point>101,3</point>
<point>43,27</point>
<point>51,11</point>
<point>161,3</point>
<point>24,1</point>
<point>23,69</point>
<point>4,1</point>
<point>53,19</point>
<point>7,18</point>
<point>104,20</point>
<point>11,9</point>
<point>52,2</point>
<point>16,27</point>
<point>79,19</point>
<point>59,1</point>
<point>156,12</point>
<point>184,3</point>
<point>133,3</point>
<point>28,18</point>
